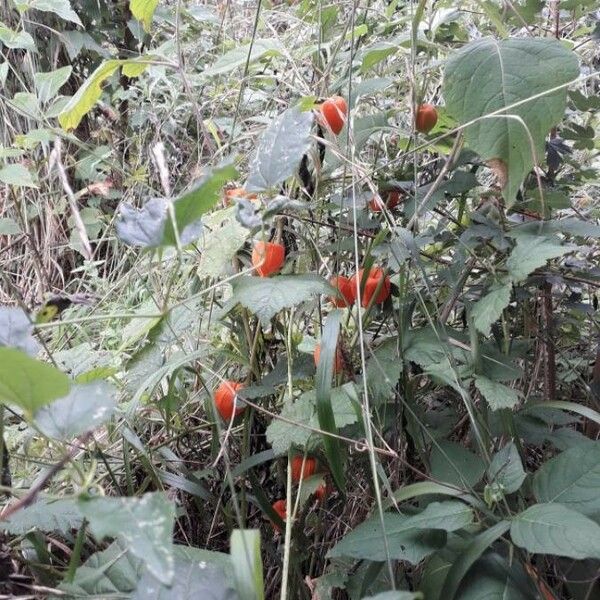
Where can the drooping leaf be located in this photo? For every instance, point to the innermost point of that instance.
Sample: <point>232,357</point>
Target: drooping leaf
<point>61,8</point>
<point>29,383</point>
<point>506,468</point>
<point>48,84</point>
<point>18,175</point>
<point>556,529</point>
<point>266,296</point>
<point>50,516</point>
<point>190,206</point>
<point>497,395</point>
<point>572,478</point>
<point>16,330</point>
<point>142,227</point>
<point>280,149</point>
<point>488,75</point>
<point>531,253</point>
<point>143,11</point>
<point>85,407</point>
<point>454,464</point>
<point>145,524</point>
<point>488,309</point>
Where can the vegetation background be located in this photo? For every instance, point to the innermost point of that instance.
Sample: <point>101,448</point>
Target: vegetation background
<point>443,444</point>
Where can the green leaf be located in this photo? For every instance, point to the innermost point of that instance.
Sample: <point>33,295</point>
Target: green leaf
<point>199,574</point>
<point>375,53</point>
<point>48,84</point>
<point>16,39</point>
<point>408,538</point>
<point>145,524</point>
<point>487,75</point>
<point>9,226</point>
<point>283,434</point>
<point>261,48</point>
<point>487,310</point>
<point>61,8</point>
<point>454,464</point>
<point>86,407</point>
<point>220,244</point>
<point>143,227</point>
<point>18,175</point>
<point>16,330</point>
<point>247,564</point>
<point>280,149</point>
<point>556,529</point>
<point>497,395</point>
<point>395,595</point>
<point>384,368</point>
<point>325,368</point>
<point>506,469</point>
<point>143,11</point>
<point>28,383</point>
<point>465,560</point>
<point>266,296</point>
<point>572,478</point>
<point>189,207</point>
<point>50,516</point>
<point>531,253</point>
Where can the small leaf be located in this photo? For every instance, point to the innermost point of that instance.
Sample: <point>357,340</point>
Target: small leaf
<point>266,296</point>
<point>247,564</point>
<point>572,478</point>
<point>497,395</point>
<point>28,383</point>
<point>143,11</point>
<point>488,309</point>
<point>488,75</point>
<point>506,469</point>
<point>47,515</point>
<point>16,330</point>
<point>556,529</point>
<point>280,149</point>
<point>85,407</point>
<point>17,175</point>
<point>145,524</point>
<point>531,253</point>
<point>454,464</point>
<point>48,84</point>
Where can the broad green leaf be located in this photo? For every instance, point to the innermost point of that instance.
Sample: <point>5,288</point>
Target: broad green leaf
<point>492,578</point>
<point>220,244</point>
<point>489,75</point>
<point>85,407</point>
<point>325,414</point>
<point>487,310</point>
<point>280,149</point>
<point>572,478</point>
<point>50,516</point>
<point>190,206</point>
<point>531,253</point>
<point>9,226</point>
<point>422,488</point>
<point>61,8</point>
<point>17,175</point>
<point>261,48</point>
<point>143,11</point>
<point>468,556</point>
<point>28,383</point>
<point>556,529</point>
<point>143,227</point>
<point>266,296</point>
<point>247,564</point>
<point>404,539</point>
<point>452,463</point>
<point>16,39</point>
<point>425,346</point>
<point>375,53</point>
<point>199,574</point>
<point>284,434</point>
<point>506,469</point>
<point>48,84</point>
<point>145,524</point>
<point>497,395</point>
<point>16,330</point>
<point>383,370</point>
